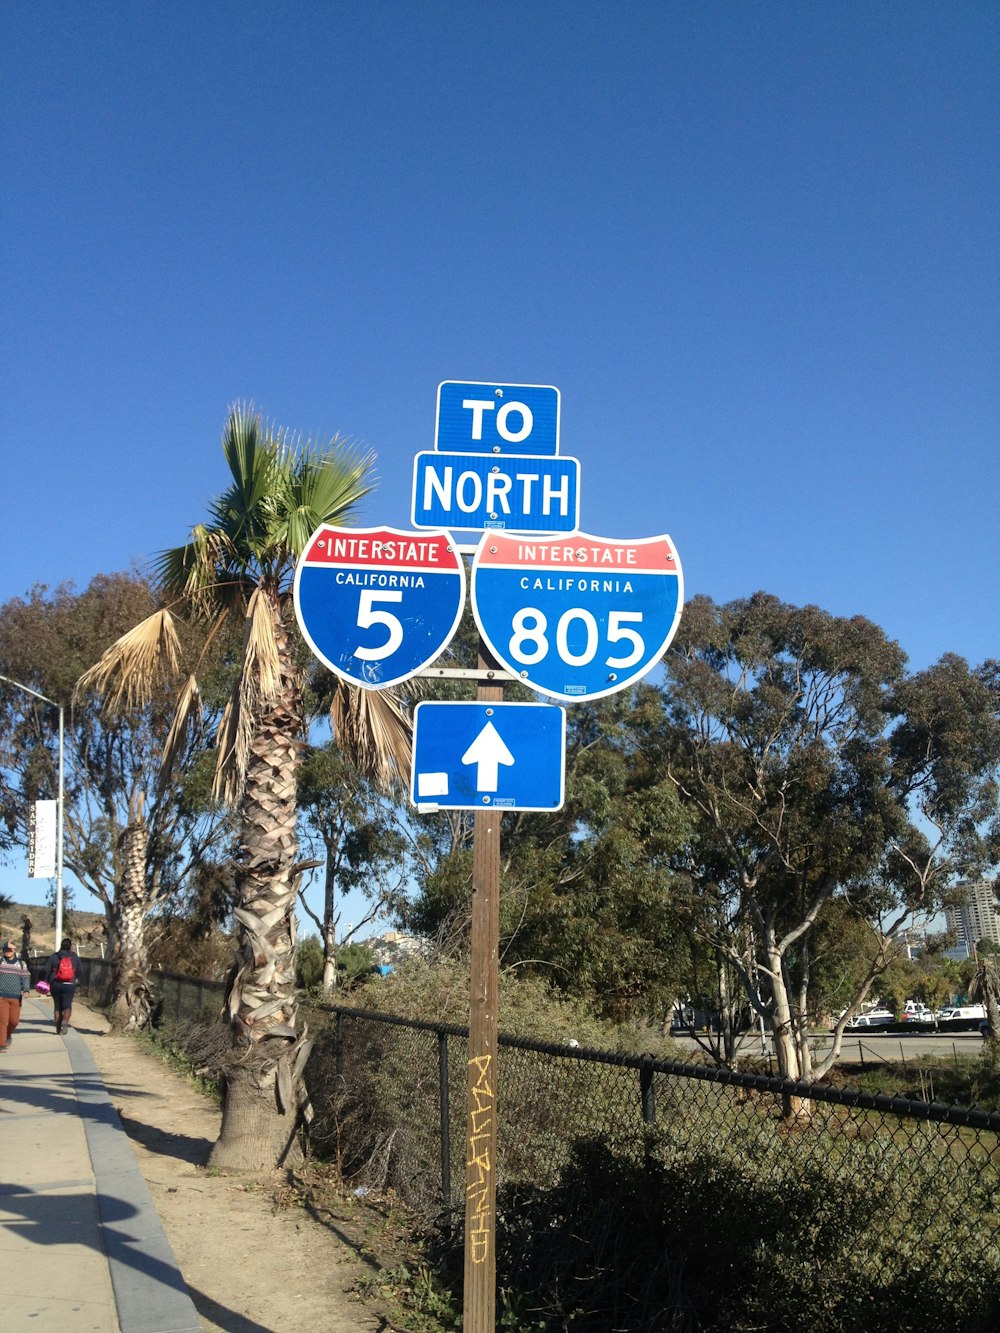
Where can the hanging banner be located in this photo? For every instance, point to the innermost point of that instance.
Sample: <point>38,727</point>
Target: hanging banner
<point>42,840</point>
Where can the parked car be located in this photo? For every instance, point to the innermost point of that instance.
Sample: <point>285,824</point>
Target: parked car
<point>876,1018</point>
<point>918,1014</point>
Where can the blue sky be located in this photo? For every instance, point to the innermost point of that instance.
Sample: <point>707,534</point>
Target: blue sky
<point>755,247</point>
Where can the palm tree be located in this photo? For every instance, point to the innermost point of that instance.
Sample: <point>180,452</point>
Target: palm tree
<point>241,563</point>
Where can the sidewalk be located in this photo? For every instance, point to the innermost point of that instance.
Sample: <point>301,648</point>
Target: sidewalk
<point>81,1245</point>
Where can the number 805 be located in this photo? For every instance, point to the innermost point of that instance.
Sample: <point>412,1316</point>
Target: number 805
<point>529,642</point>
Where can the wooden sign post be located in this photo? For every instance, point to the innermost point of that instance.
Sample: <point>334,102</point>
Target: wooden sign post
<point>479,1290</point>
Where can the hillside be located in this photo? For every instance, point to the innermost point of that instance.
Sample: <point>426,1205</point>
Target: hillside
<point>86,929</point>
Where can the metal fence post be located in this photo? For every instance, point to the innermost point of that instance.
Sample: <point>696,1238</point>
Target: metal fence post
<point>445,1119</point>
<point>340,1051</point>
<point>646,1093</point>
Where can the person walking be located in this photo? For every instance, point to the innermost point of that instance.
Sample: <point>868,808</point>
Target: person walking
<point>61,973</point>
<point>15,981</point>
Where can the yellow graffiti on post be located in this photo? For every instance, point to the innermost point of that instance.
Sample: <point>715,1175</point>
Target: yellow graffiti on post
<point>478,1181</point>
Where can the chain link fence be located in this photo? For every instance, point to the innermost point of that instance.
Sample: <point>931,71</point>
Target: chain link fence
<point>639,1193</point>
<point>657,1196</point>
<point>176,998</point>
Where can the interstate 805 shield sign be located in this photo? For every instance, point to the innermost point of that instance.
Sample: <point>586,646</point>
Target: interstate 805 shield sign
<point>577,617</point>
<point>378,604</point>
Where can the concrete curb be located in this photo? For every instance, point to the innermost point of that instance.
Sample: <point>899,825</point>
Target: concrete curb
<point>150,1293</point>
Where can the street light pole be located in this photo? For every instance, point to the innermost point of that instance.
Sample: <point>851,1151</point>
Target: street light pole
<point>59,803</point>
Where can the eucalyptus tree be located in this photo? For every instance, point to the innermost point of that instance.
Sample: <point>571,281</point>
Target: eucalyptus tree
<point>240,565</point>
<point>589,892</point>
<point>985,990</point>
<point>364,842</point>
<point>810,763</point>
<point>47,640</point>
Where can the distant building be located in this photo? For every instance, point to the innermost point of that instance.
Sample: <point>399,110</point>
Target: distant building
<point>976,917</point>
<point>393,947</point>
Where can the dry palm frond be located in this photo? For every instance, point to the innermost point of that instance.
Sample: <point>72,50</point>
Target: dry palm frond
<point>128,671</point>
<point>232,743</point>
<point>374,731</point>
<point>261,659</point>
<point>259,682</point>
<point>188,706</point>
<point>196,570</point>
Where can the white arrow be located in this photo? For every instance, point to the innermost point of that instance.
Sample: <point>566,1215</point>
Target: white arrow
<point>488,752</point>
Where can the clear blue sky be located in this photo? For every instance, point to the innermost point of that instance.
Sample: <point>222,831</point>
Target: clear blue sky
<point>755,246</point>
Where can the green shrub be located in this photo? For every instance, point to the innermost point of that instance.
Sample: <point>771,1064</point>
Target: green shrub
<point>382,1125</point>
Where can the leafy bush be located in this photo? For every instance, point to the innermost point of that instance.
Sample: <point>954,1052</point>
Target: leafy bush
<point>177,944</point>
<point>354,964</point>
<point>709,1242</point>
<point>381,1124</point>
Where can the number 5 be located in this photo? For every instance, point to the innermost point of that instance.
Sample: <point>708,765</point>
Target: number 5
<point>616,633</point>
<point>367,617</point>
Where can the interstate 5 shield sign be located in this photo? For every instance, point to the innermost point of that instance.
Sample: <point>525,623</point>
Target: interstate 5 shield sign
<point>577,617</point>
<point>378,604</point>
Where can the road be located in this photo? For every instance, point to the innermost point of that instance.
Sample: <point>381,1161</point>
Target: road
<point>875,1045</point>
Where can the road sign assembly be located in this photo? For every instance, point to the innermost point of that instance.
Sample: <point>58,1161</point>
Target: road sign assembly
<point>571,615</point>
<point>377,605</point>
<point>522,492</point>
<point>475,756</point>
<point>577,617</point>
<point>497,418</point>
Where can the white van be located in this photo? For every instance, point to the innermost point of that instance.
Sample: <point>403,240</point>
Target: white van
<point>963,1011</point>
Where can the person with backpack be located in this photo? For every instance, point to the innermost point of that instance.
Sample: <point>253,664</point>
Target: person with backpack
<point>15,981</point>
<point>61,972</point>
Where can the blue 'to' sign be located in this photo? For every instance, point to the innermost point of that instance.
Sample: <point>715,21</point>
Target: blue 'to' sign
<point>497,418</point>
<point>378,604</point>
<point>576,617</point>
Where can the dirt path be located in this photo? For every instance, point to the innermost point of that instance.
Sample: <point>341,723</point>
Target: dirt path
<point>251,1266</point>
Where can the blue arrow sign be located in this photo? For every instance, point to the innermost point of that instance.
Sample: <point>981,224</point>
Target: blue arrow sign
<point>523,493</point>
<point>378,604</point>
<point>576,617</point>
<point>479,756</point>
<point>497,418</point>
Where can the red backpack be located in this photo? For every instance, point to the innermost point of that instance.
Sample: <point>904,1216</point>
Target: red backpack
<point>65,970</point>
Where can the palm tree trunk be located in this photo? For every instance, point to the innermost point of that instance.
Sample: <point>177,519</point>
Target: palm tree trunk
<point>262,1085</point>
<point>131,994</point>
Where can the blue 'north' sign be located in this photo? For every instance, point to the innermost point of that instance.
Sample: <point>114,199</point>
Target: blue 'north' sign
<point>477,756</point>
<point>523,493</point>
<point>378,604</point>
<point>497,418</point>
<point>576,617</point>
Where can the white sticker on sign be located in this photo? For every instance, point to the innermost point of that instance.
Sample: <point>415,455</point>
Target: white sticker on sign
<point>432,784</point>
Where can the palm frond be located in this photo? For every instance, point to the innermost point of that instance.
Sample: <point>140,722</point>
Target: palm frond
<point>226,783</point>
<point>374,731</point>
<point>259,683</point>
<point>188,707</point>
<point>324,484</point>
<point>127,672</point>
<point>261,659</point>
<point>252,452</point>
<point>200,568</point>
